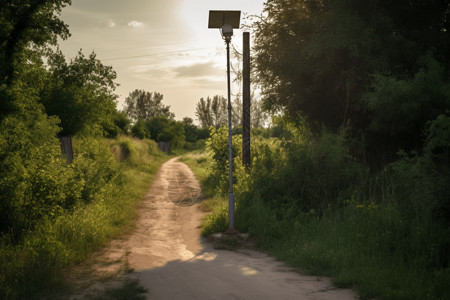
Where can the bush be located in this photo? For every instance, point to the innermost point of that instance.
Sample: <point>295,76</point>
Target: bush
<point>310,175</point>
<point>107,193</point>
<point>139,130</point>
<point>218,150</point>
<point>95,166</point>
<point>308,202</point>
<point>36,183</point>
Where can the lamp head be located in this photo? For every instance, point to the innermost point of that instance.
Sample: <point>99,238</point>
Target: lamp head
<point>225,20</point>
<point>227,31</point>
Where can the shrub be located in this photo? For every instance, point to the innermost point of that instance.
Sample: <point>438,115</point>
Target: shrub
<point>95,166</point>
<point>139,130</point>
<point>36,183</point>
<point>310,175</point>
<point>218,151</point>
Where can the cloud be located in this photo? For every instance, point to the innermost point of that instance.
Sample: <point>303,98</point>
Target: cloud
<point>136,24</point>
<point>207,69</point>
<point>213,85</point>
<point>111,23</point>
<point>149,71</point>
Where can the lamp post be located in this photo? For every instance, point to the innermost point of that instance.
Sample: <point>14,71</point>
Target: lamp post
<point>226,20</point>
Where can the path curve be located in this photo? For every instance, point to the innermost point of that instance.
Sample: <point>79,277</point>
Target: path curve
<point>170,260</point>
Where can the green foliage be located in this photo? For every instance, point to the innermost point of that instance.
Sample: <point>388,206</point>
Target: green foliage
<point>212,112</point>
<point>26,24</point>
<point>217,221</point>
<point>36,183</point>
<point>96,167</point>
<point>218,145</point>
<point>309,174</point>
<point>80,93</point>
<point>145,105</point>
<point>163,129</point>
<point>190,130</point>
<point>140,130</point>
<point>203,133</point>
<point>306,201</point>
<point>109,192</point>
<point>438,140</point>
<point>371,68</point>
<point>218,150</point>
<point>119,124</point>
<point>400,109</point>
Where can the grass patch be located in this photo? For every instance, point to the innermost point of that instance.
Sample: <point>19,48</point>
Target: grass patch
<point>357,255</point>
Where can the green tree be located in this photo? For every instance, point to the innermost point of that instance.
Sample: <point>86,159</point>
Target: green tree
<point>26,24</point>
<point>144,105</point>
<point>117,125</point>
<point>212,112</point>
<point>321,58</point>
<point>36,184</point>
<point>400,109</point>
<point>80,93</point>
<point>163,129</point>
<point>140,130</point>
<point>190,130</point>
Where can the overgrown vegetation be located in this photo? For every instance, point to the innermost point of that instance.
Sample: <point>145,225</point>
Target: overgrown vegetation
<point>54,214</point>
<point>353,181</point>
<point>309,202</point>
<point>104,193</point>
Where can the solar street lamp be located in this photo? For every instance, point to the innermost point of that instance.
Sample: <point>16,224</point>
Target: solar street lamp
<point>226,20</point>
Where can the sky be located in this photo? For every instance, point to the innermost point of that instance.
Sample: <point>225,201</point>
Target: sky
<point>157,45</point>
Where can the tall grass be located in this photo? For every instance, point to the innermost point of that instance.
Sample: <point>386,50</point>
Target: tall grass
<point>33,267</point>
<point>307,202</point>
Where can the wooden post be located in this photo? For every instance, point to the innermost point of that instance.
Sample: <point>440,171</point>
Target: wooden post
<point>66,148</point>
<point>246,101</point>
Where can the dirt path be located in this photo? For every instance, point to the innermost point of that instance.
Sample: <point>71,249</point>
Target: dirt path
<point>170,260</point>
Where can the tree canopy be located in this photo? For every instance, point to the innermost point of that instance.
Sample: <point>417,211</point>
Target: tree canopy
<point>25,23</point>
<point>80,92</point>
<point>345,63</point>
<point>212,111</point>
<point>145,105</point>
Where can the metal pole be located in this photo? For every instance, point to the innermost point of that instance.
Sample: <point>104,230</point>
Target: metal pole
<point>230,146</point>
<point>246,159</point>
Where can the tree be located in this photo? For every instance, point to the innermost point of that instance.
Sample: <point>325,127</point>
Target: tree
<point>212,112</point>
<point>321,58</point>
<point>163,129</point>
<point>80,93</point>
<point>190,130</point>
<point>140,130</point>
<point>203,112</point>
<point>117,125</point>
<point>317,56</point>
<point>25,24</point>
<point>144,105</point>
